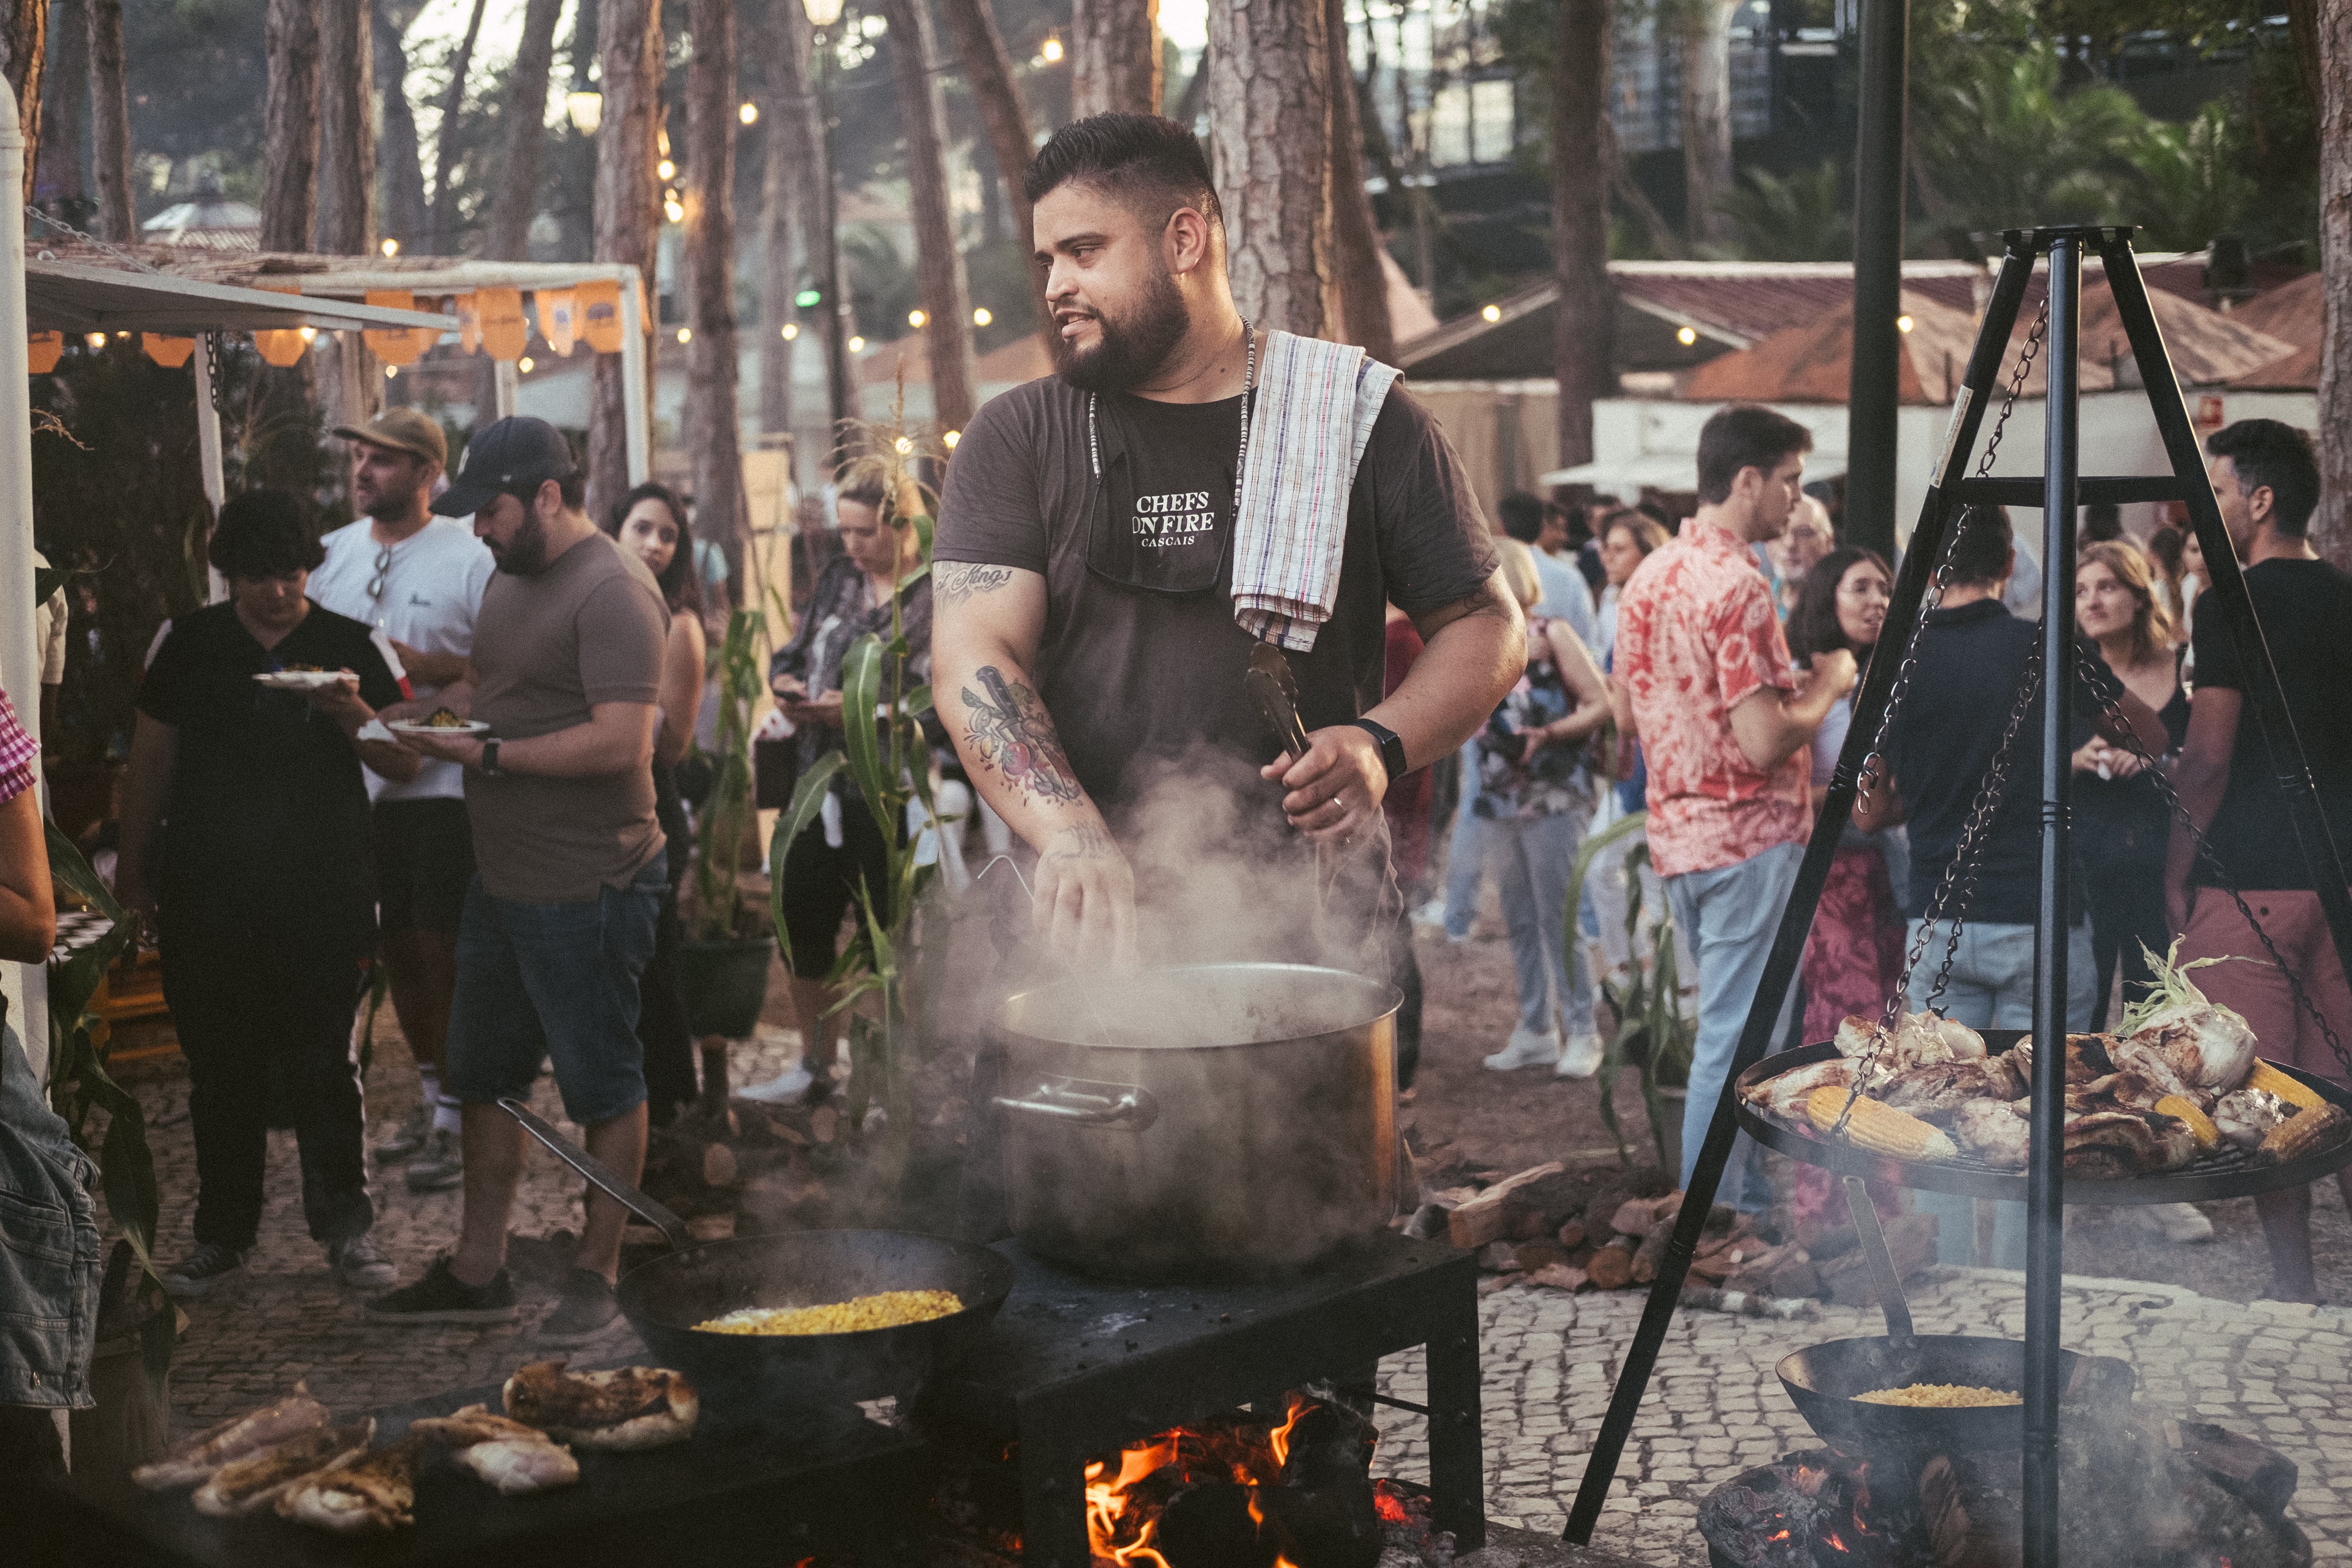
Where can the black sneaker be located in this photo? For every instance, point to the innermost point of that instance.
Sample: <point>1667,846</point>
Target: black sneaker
<point>206,1267</point>
<point>586,1308</point>
<point>442,1298</point>
<point>408,1137</point>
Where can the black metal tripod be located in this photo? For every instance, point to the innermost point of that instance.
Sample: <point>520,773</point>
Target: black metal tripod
<point>2058,492</point>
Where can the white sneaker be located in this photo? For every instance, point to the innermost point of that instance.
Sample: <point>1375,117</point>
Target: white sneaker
<point>2177,1222</point>
<point>1431,916</point>
<point>1582,1057</point>
<point>1527,1049</point>
<point>780,1091</point>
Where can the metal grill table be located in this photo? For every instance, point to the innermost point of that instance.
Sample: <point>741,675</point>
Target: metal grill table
<point>1076,1367</point>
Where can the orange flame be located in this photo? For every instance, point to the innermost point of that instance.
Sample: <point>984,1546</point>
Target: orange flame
<point>1110,1514</point>
<point>1280,1437</point>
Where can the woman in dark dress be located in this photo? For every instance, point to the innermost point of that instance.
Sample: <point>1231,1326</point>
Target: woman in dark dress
<point>2123,822</point>
<point>650,523</point>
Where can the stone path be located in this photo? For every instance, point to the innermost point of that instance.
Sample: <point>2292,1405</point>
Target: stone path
<point>2272,1370</point>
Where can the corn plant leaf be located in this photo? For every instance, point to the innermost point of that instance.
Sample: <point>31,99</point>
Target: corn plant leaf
<point>1582,867</point>
<point>861,690</point>
<point>808,799</point>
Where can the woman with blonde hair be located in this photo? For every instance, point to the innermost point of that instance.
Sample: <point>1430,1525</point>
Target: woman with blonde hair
<point>2122,821</point>
<point>1535,794</point>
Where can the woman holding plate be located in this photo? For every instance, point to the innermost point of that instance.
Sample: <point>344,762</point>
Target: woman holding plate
<point>245,836</point>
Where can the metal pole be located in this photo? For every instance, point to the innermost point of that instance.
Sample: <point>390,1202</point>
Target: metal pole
<point>2046,1219</point>
<point>208,452</point>
<point>26,984</point>
<point>635,396</point>
<point>1873,403</point>
<point>836,308</point>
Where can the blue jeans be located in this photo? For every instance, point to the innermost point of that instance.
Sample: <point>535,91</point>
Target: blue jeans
<point>1466,851</point>
<point>1728,916</point>
<point>1991,987</point>
<point>1532,857</point>
<point>541,981</point>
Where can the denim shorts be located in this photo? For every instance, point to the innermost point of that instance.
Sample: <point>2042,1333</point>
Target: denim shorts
<point>541,981</point>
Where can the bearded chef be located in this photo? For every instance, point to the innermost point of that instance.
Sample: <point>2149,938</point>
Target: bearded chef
<point>1115,540</point>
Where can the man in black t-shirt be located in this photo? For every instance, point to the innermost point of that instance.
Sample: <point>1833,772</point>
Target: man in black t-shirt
<point>2267,482</point>
<point>1085,648</point>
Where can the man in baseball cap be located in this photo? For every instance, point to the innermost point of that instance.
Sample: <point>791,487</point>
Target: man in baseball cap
<point>403,430</point>
<point>513,456</point>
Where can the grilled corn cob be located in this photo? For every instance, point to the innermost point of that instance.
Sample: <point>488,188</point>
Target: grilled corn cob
<point>2307,1132</point>
<point>1877,1126</point>
<point>2199,1124</point>
<point>2293,1091</point>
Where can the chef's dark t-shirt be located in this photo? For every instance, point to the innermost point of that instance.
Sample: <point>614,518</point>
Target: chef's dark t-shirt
<point>2305,611</point>
<point>266,821</point>
<point>1133,676</point>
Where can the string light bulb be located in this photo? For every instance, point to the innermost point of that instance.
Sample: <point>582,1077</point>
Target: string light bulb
<point>391,373</point>
<point>666,169</point>
<point>792,330</point>
<point>390,248</point>
<point>1492,312</point>
<point>309,334</point>
<point>950,438</point>
<point>981,317</point>
<point>1686,336</point>
<point>686,334</point>
<point>672,210</point>
<point>903,446</point>
<point>1050,51</point>
<point>96,340</point>
<point>525,364</point>
<point>749,113</point>
<point>857,345</point>
<point>916,319</point>
<point>1904,323</point>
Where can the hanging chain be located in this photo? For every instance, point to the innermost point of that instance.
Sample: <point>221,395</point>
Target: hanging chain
<point>62,226</point>
<point>2111,701</point>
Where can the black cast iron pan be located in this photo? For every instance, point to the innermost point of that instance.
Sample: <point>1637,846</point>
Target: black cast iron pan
<point>1822,1379</point>
<point>695,1281</point>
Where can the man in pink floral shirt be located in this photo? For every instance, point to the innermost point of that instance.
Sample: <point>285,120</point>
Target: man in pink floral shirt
<point>1725,730</point>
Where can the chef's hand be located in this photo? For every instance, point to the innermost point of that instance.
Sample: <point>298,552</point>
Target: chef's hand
<point>1336,787</point>
<point>789,688</point>
<point>1085,902</point>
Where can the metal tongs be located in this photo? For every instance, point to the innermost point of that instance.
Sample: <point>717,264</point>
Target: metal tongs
<point>1274,687</point>
<point>1891,1300</point>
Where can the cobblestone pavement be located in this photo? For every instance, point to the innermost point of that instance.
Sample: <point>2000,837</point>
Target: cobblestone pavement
<point>2272,1370</point>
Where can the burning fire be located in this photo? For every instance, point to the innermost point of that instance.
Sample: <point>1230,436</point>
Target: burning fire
<point>1122,1523</point>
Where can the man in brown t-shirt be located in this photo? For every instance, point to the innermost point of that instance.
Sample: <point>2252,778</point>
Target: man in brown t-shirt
<point>559,923</point>
<point>1086,648</point>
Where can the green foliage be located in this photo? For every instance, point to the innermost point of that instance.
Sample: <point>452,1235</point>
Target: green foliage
<point>729,814</point>
<point>1801,217</point>
<point>883,285</point>
<point>2196,180</point>
<point>1652,1035</point>
<point>1999,145</point>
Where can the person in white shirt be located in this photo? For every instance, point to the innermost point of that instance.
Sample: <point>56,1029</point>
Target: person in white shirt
<point>417,579</point>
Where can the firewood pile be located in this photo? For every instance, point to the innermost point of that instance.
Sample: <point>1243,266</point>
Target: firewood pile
<point>1607,1229</point>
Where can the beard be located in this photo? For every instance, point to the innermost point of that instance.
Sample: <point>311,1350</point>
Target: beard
<point>1133,347</point>
<point>525,555</point>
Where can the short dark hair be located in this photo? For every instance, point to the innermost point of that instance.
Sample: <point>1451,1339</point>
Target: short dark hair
<point>1981,542</point>
<point>2268,454</point>
<point>265,534</point>
<point>1523,517</point>
<point>680,584</point>
<point>1813,625</point>
<point>2101,521</point>
<point>1150,162</point>
<point>1744,436</point>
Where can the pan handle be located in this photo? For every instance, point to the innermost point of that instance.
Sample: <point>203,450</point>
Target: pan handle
<point>1086,1103</point>
<point>1889,1284</point>
<point>673,1228</point>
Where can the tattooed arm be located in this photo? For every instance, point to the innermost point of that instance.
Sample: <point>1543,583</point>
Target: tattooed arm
<point>986,621</point>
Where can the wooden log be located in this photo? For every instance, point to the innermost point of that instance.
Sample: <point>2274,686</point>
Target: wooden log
<point>691,1157</point>
<point>1571,1235</point>
<point>1610,1268</point>
<point>1482,1219</point>
<point>1498,1258</point>
<point>2261,1477</point>
<point>1559,1277</point>
<point>1547,1200</point>
<point>1531,1256</point>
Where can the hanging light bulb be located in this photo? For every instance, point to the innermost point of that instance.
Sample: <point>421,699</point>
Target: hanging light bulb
<point>981,317</point>
<point>686,334</point>
<point>1904,323</point>
<point>1686,336</point>
<point>309,334</point>
<point>916,319</point>
<point>792,330</point>
<point>1050,51</point>
<point>96,340</point>
<point>666,169</point>
<point>391,373</point>
<point>671,209</point>
<point>1492,313</point>
<point>587,110</point>
<point>903,446</point>
<point>857,345</point>
<point>950,438</point>
<point>390,248</point>
<point>749,113</point>
<point>525,364</point>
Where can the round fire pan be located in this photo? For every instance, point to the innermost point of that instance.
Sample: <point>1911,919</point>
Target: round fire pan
<point>2227,1172</point>
<point>1822,1379</point>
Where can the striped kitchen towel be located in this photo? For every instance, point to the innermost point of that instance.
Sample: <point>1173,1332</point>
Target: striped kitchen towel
<point>1313,414</point>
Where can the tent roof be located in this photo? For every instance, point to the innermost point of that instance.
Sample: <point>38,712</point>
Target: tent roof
<point>78,297</point>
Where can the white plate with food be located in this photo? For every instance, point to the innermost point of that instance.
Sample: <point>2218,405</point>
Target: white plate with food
<point>442,723</point>
<point>298,679</point>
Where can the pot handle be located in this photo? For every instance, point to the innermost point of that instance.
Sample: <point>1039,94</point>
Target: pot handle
<point>1087,1103</point>
<point>673,1228</point>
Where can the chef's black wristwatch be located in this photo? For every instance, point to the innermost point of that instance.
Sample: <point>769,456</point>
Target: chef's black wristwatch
<point>1392,746</point>
<point>491,758</point>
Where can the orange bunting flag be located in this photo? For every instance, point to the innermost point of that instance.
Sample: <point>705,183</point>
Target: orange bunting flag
<point>280,347</point>
<point>505,334</point>
<point>43,351</point>
<point>558,319</point>
<point>169,352</point>
<point>597,310</point>
<point>397,345</point>
<point>469,323</point>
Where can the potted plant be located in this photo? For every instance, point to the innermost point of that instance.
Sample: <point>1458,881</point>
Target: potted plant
<point>723,960</point>
<point>1652,1034</point>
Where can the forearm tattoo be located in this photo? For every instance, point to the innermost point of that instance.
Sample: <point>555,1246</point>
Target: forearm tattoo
<point>953,581</point>
<point>1010,729</point>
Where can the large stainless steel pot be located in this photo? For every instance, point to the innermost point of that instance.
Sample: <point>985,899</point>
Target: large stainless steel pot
<point>1215,1120</point>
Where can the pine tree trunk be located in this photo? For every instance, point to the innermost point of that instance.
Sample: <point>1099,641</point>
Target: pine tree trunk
<point>629,43</point>
<point>24,44</point>
<point>346,130</point>
<point>58,179</point>
<point>2303,33</point>
<point>1359,301</point>
<point>289,135</point>
<point>1114,56</point>
<point>110,123</point>
<point>1706,116</point>
<point>713,429</point>
<point>988,72</point>
<point>400,153</point>
<point>946,302</point>
<point>1584,320</point>
<point>1269,87</point>
<point>2331,529</point>
<point>440,238</point>
<point>794,160</point>
<point>514,199</point>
